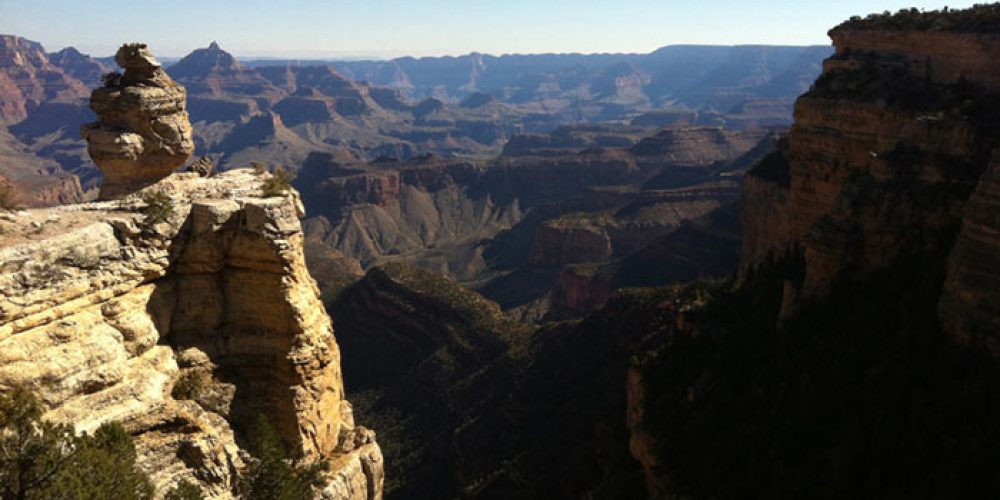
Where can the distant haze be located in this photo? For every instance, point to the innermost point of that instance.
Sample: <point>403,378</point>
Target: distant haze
<point>335,29</point>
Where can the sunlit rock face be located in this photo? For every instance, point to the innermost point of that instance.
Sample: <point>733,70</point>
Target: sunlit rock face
<point>105,313</point>
<point>142,133</point>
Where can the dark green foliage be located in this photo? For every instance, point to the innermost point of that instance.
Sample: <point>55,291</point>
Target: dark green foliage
<point>859,395</point>
<point>32,452</point>
<point>190,385</point>
<point>185,491</point>
<point>159,207</point>
<point>278,183</point>
<point>272,475</point>
<point>474,311</point>
<point>980,18</point>
<point>104,467</point>
<point>41,460</point>
<point>487,412</point>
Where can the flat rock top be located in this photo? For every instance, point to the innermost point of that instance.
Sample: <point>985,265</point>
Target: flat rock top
<point>33,225</point>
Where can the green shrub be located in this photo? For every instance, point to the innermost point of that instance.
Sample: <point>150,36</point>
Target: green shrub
<point>278,183</point>
<point>185,490</point>
<point>272,475</point>
<point>980,18</point>
<point>190,385</point>
<point>159,207</point>
<point>41,459</point>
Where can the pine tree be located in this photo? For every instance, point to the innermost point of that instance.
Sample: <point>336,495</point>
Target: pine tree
<point>272,476</point>
<point>42,460</point>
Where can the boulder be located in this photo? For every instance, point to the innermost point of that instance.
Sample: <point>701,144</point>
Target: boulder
<point>142,133</point>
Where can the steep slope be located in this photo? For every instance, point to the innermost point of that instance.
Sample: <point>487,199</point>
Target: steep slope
<point>105,315</point>
<point>485,407</point>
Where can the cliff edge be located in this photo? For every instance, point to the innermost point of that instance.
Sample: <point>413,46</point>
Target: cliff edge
<point>110,310</point>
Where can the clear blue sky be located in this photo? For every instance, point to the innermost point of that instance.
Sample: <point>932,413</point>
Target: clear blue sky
<point>384,28</point>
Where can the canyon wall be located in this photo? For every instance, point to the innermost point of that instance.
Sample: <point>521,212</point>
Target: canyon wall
<point>857,346</point>
<point>889,160</point>
<point>108,315</point>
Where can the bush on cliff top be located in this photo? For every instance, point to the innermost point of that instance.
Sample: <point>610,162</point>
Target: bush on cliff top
<point>159,207</point>
<point>278,183</point>
<point>980,18</point>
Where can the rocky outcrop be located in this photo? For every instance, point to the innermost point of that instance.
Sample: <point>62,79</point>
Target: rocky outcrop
<point>109,315</point>
<point>764,215</point>
<point>699,146</point>
<point>886,150</point>
<point>560,242</point>
<point>968,307</point>
<point>142,133</point>
<point>580,290</point>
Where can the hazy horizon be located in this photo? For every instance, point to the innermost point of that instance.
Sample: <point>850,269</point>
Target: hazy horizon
<point>385,29</point>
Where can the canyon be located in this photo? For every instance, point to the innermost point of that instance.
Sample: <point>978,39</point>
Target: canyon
<point>852,353</point>
<point>278,112</point>
<point>638,278</point>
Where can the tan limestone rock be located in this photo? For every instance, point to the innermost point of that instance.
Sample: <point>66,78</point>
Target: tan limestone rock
<point>142,133</point>
<point>103,313</point>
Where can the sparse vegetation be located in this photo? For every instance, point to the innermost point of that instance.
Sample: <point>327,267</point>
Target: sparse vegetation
<point>185,490</point>
<point>159,207</point>
<point>42,460</point>
<point>190,385</point>
<point>258,167</point>
<point>272,475</point>
<point>475,311</point>
<point>980,18</point>
<point>278,183</point>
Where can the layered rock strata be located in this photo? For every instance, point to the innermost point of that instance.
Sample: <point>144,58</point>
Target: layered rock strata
<point>142,133</point>
<point>109,315</point>
<point>891,156</point>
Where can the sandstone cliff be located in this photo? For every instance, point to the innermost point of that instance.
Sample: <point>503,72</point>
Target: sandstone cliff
<point>103,312</point>
<point>889,157</point>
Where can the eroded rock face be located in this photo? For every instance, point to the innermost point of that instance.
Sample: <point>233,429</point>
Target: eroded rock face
<point>142,133</point>
<point>891,162</point>
<point>105,314</point>
<point>968,307</point>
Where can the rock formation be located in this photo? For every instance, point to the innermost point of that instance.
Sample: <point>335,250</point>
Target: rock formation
<point>865,315</point>
<point>892,151</point>
<point>105,312</point>
<point>142,133</point>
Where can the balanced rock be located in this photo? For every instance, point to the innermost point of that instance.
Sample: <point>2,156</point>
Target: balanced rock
<point>142,133</point>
